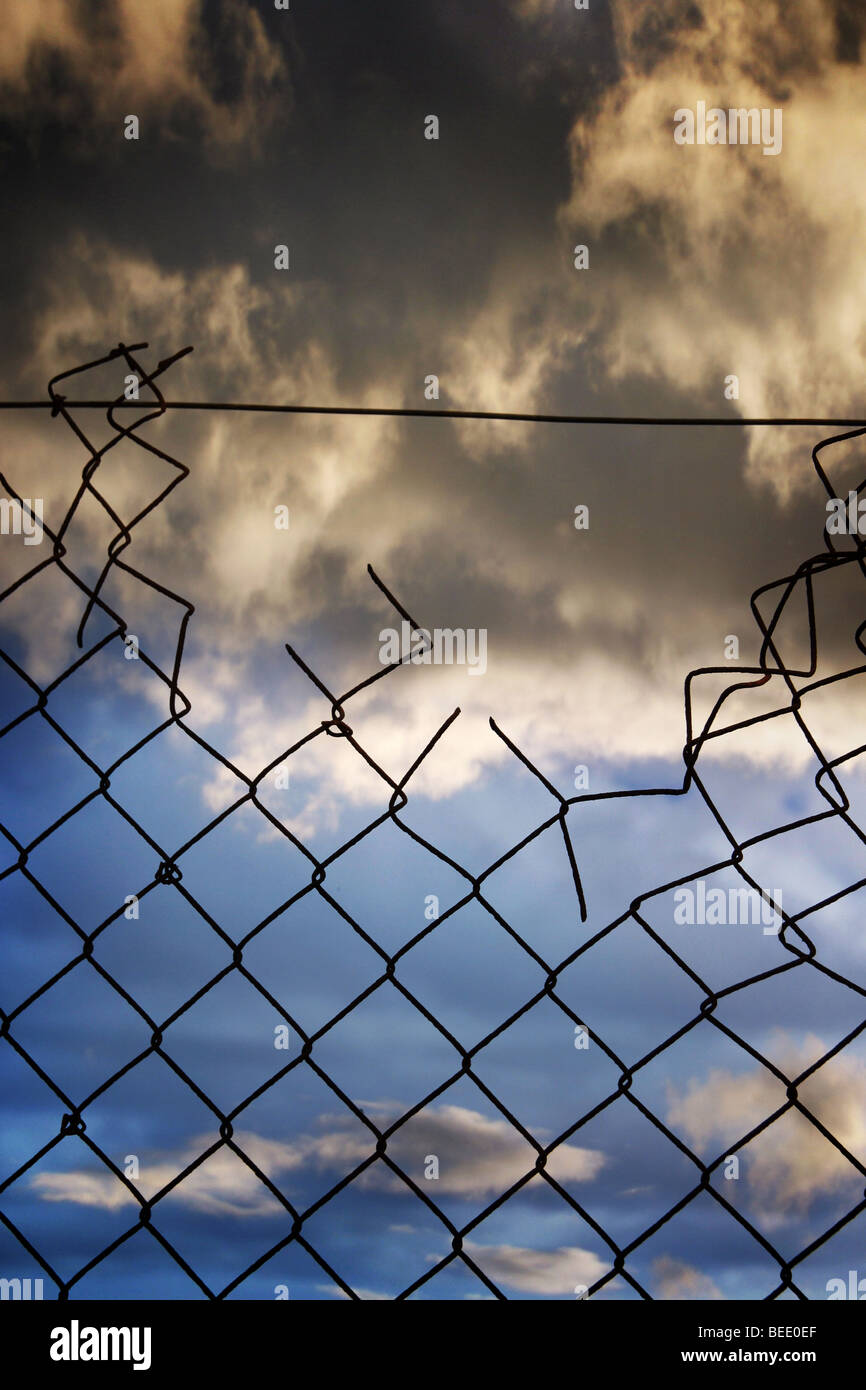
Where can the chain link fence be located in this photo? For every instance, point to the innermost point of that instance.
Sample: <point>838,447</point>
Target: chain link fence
<point>793,950</point>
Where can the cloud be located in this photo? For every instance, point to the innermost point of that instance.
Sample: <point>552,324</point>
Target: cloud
<point>222,1186</point>
<point>547,1272</point>
<point>255,587</point>
<point>511,350</point>
<point>718,260</point>
<point>790,1164</point>
<point>354,494</point>
<point>157,62</point>
<point>478,1157</point>
<point>473,524</point>
<point>229,319</point>
<point>538,1271</point>
<point>675,1281</point>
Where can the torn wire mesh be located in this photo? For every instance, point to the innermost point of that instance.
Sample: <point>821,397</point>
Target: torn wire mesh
<point>794,948</point>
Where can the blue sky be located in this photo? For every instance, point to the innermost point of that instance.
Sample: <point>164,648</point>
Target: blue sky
<point>384,1055</point>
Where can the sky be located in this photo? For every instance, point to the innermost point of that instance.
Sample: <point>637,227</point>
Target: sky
<point>411,258</point>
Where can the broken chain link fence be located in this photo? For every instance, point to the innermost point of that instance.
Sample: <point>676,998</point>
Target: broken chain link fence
<point>796,950</point>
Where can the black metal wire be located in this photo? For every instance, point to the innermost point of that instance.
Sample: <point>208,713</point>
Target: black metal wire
<point>798,952</point>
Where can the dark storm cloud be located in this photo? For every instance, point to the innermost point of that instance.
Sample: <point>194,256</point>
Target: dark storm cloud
<point>411,257</point>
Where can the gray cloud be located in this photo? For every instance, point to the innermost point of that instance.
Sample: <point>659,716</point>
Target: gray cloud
<point>717,260</point>
<point>589,632</point>
<point>156,63</point>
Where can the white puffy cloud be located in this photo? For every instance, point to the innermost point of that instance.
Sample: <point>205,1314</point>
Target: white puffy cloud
<point>538,1271</point>
<point>790,1164</point>
<point>675,1280</point>
<point>478,1157</point>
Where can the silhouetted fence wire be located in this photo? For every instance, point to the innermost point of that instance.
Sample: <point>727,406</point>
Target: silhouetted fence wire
<point>797,951</point>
